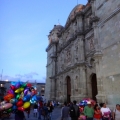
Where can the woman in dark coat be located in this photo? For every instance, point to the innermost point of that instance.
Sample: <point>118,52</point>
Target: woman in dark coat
<point>19,115</point>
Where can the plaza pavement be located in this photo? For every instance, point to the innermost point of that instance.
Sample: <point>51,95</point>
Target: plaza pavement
<point>55,115</point>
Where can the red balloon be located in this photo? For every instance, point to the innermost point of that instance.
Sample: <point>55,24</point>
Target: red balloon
<point>21,108</point>
<point>12,87</point>
<point>8,97</point>
<point>20,103</point>
<point>29,85</point>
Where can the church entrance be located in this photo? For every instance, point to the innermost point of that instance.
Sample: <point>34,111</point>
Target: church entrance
<point>68,80</point>
<point>94,86</point>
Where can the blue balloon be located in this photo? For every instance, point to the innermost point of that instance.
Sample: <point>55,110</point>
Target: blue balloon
<point>21,83</point>
<point>17,85</point>
<point>34,98</point>
<point>14,107</point>
<point>13,83</point>
<point>26,98</point>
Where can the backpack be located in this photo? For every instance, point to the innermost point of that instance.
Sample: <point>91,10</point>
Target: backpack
<point>72,111</point>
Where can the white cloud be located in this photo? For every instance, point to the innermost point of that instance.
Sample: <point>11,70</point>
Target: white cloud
<point>30,77</point>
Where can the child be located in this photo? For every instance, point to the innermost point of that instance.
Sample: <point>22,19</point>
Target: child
<point>35,109</point>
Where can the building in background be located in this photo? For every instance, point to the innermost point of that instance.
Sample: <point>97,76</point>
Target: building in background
<point>2,89</point>
<point>83,57</point>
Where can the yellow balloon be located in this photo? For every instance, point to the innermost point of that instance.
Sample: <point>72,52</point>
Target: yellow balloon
<point>21,89</point>
<point>18,90</point>
<point>26,105</point>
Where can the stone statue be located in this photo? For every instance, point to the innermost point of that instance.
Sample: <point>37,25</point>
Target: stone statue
<point>76,83</point>
<point>91,44</point>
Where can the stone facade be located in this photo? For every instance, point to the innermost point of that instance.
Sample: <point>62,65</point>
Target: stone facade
<point>83,57</point>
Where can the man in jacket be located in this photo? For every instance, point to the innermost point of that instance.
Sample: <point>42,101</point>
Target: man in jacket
<point>65,112</point>
<point>74,111</point>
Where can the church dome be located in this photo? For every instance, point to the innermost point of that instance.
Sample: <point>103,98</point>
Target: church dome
<point>75,10</point>
<point>58,27</point>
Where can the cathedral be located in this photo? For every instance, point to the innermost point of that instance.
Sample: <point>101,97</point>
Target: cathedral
<point>83,57</point>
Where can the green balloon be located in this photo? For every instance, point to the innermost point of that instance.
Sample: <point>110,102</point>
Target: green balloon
<point>17,96</point>
<point>24,85</point>
<point>9,110</point>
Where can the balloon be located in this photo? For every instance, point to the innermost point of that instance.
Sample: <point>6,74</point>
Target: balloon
<point>9,110</point>
<point>29,93</point>
<point>5,106</point>
<point>21,108</point>
<point>29,85</point>
<point>23,85</point>
<point>22,95</point>
<point>32,101</point>
<point>13,101</point>
<point>12,87</point>
<point>17,85</point>
<point>8,97</point>
<point>14,107</point>
<point>33,92</point>
<point>26,105</point>
<point>25,91</point>
<point>19,103</point>
<point>17,96</point>
<point>21,89</point>
<point>10,91</point>
<point>17,91</point>
<point>34,98</point>
<point>26,98</point>
<point>13,83</point>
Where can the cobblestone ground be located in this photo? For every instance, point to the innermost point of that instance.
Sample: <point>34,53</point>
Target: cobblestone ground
<point>55,115</point>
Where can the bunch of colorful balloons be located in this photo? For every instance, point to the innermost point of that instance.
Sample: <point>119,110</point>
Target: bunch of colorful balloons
<point>85,100</point>
<point>19,97</point>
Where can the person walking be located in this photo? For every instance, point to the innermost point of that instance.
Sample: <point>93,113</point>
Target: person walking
<point>74,111</point>
<point>106,112</point>
<point>65,112</point>
<point>89,111</point>
<point>50,109</point>
<point>45,111</point>
<point>116,113</point>
<point>40,107</point>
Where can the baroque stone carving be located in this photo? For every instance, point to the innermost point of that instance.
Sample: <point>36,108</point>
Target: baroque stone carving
<point>91,44</point>
<point>68,57</point>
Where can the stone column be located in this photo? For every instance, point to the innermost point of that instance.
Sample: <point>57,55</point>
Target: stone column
<point>92,2</point>
<point>79,23</point>
<point>53,89</point>
<point>101,96</point>
<point>83,82</point>
<point>82,48</point>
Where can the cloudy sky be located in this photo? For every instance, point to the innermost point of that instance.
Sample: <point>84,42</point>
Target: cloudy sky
<point>24,26</point>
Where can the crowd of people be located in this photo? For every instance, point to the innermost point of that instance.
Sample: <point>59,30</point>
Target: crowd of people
<point>72,111</point>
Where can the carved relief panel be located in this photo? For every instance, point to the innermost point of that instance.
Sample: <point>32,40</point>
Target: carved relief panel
<point>76,52</point>
<point>68,57</point>
<point>91,43</point>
